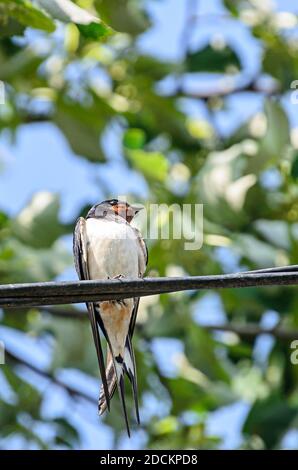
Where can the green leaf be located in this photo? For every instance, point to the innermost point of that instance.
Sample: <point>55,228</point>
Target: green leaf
<point>95,30</point>
<point>277,136</point>
<point>210,59</point>
<point>160,115</point>
<point>67,12</point>
<point>199,348</point>
<point>66,433</point>
<point>27,14</point>
<point>29,397</point>
<point>294,169</point>
<point>24,62</point>
<point>145,65</point>
<point>134,138</point>
<point>279,58</point>
<point>3,220</point>
<point>270,418</point>
<point>68,334</point>
<point>125,16</point>
<point>26,264</point>
<point>83,139</point>
<point>153,165</point>
<point>259,253</point>
<point>223,171</point>
<point>232,6</point>
<point>10,27</point>
<point>83,125</point>
<point>275,231</point>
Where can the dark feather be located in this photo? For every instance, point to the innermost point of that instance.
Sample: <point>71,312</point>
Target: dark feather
<point>112,384</point>
<point>122,397</point>
<point>80,257</point>
<point>133,378</point>
<point>110,370</point>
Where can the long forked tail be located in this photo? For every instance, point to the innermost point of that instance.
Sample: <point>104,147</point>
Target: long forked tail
<point>115,371</point>
<point>131,371</point>
<point>112,384</point>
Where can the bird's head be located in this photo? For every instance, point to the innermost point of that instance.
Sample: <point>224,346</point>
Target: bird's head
<point>116,207</point>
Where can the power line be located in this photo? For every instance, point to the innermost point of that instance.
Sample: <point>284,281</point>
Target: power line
<point>55,293</point>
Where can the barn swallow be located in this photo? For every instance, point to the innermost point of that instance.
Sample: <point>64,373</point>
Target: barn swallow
<point>107,246</point>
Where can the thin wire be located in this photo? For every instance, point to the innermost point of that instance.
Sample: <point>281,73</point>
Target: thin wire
<point>54,293</point>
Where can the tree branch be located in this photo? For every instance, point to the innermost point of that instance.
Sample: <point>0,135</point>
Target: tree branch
<point>74,314</point>
<point>31,118</point>
<point>251,330</point>
<point>71,390</point>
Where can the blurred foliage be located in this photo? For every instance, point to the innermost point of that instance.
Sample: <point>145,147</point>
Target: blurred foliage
<point>211,59</point>
<point>52,54</point>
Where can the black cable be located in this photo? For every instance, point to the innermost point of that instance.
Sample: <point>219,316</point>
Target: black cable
<point>54,293</point>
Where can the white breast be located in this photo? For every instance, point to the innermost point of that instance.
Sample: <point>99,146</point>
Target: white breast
<point>112,249</point>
